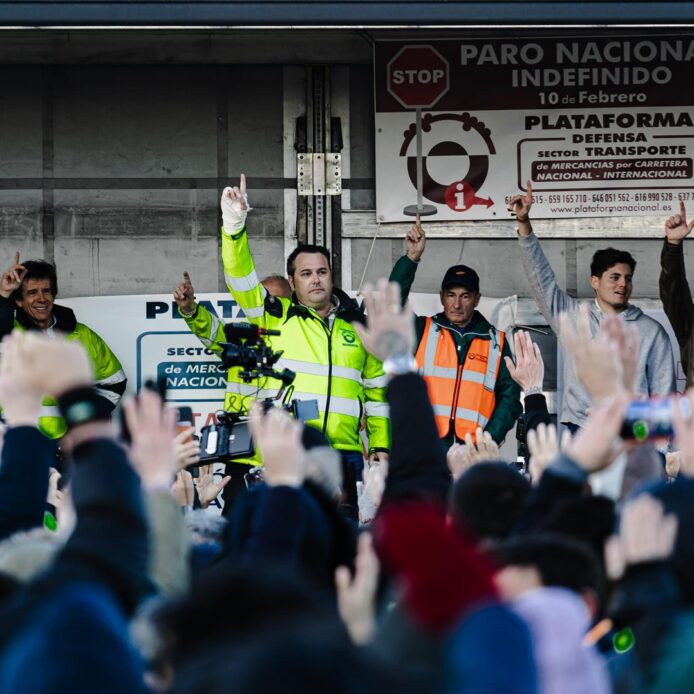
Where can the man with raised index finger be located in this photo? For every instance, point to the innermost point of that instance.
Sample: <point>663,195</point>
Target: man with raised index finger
<point>674,288</point>
<point>317,338</point>
<point>611,278</point>
<point>460,354</point>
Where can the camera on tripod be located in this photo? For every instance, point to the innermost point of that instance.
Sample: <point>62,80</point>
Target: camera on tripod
<point>230,439</point>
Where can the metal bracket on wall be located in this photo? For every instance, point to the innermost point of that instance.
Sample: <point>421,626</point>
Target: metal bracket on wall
<point>318,173</point>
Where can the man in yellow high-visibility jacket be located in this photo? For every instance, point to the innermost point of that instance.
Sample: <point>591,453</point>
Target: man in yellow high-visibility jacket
<point>317,337</point>
<point>27,302</point>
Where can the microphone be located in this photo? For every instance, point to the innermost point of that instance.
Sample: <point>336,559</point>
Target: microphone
<point>236,331</point>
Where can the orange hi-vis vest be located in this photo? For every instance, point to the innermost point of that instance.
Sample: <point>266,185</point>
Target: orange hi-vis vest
<point>463,392</point>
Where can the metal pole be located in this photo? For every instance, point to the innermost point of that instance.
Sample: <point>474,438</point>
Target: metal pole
<point>419,159</point>
<point>420,208</point>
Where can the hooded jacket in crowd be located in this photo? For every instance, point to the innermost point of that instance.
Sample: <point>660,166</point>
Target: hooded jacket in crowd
<point>656,366</point>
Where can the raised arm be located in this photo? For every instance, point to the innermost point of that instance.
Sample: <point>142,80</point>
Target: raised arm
<point>376,407</point>
<point>405,269</point>
<point>417,466</point>
<point>26,453</point>
<point>239,269</point>
<point>674,288</point>
<point>551,300</point>
<point>202,323</point>
<point>10,280</point>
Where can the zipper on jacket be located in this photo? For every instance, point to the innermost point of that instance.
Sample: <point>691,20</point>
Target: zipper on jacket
<point>456,393</point>
<point>329,334</point>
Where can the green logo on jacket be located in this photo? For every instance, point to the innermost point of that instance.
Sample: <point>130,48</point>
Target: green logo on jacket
<point>349,337</point>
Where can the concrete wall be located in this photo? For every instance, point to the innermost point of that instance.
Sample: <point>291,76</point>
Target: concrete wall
<point>113,171</point>
<point>498,263</point>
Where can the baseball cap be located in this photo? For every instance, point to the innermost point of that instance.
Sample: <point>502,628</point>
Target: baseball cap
<point>461,276</point>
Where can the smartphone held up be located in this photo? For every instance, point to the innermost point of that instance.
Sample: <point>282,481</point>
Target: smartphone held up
<point>652,420</point>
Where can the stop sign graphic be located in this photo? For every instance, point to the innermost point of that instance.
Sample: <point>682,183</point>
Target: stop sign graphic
<point>418,76</point>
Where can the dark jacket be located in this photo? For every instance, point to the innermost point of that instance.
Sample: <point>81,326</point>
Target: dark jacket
<point>506,390</point>
<point>26,457</point>
<point>677,302</point>
<point>536,412</point>
<point>417,468</point>
<point>108,547</point>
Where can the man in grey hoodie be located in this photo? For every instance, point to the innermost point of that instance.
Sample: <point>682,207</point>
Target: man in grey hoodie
<point>611,273</point>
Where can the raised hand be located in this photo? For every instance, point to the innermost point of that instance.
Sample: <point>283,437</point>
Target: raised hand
<point>626,339</point>
<point>519,205</point>
<point>152,429</point>
<point>187,448</point>
<point>183,490</point>
<point>235,207</point>
<point>356,596</point>
<point>48,365</point>
<point>370,491</point>
<point>20,396</point>
<point>597,445</point>
<point>390,327</point>
<point>544,446</point>
<point>415,240</point>
<point>646,534</point>
<point>460,457</point>
<point>184,294</point>
<point>598,364</point>
<point>529,370</point>
<point>683,424</point>
<point>208,489</point>
<point>676,227</point>
<point>12,279</point>
<point>278,437</point>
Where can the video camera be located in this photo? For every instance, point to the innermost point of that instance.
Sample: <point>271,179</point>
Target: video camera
<point>230,439</point>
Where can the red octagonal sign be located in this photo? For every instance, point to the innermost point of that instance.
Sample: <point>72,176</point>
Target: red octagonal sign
<point>418,76</point>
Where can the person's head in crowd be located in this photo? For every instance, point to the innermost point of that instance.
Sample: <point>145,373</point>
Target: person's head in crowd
<point>589,519</point>
<point>36,295</point>
<point>231,604</point>
<point>51,652</point>
<point>487,499</point>
<point>460,294</point>
<point>310,276</point>
<point>611,277</point>
<point>540,560</point>
<point>678,499</point>
<point>309,656</point>
<point>277,286</point>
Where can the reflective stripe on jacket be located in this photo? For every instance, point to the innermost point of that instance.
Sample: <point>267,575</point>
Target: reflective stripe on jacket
<point>239,396</point>
<point>109,377</point>
<point>330,363</point>
<point>462,392</point>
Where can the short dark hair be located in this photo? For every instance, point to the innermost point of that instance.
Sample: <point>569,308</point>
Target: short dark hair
<point>561,560</point>
<point>487,500</point>
<point>606,258</point>
<point>37,270</point>
<point>305,248</point>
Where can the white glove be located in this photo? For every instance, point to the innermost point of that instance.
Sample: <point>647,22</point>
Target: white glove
<point>235,207</point>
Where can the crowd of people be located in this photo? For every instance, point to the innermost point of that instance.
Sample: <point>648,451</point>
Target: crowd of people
<point>424,563</point>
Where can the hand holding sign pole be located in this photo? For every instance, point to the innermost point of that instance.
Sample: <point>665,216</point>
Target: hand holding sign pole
<point>418,76</point>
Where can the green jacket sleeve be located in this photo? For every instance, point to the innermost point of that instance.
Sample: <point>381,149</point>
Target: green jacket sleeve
<point>241,278</point>
<point>508,406</point>
<point>109,377</point>
<point>403,273</point>
<point>206,327</point>
<point>375,404</point>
